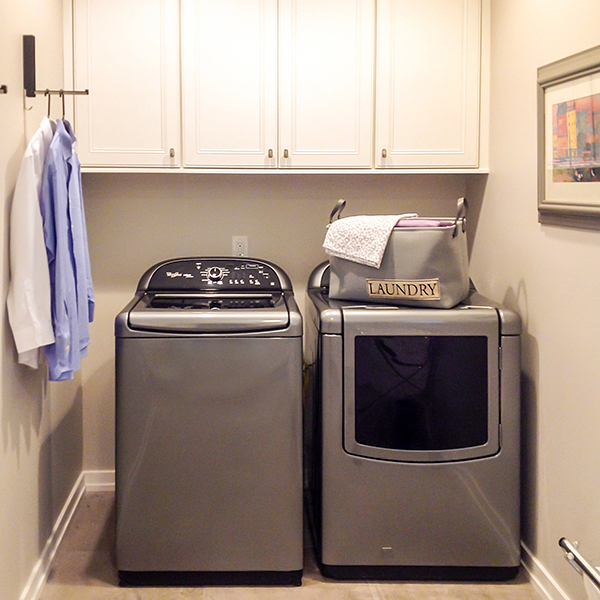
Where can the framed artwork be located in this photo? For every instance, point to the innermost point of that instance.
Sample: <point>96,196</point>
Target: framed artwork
<point>569,141</point>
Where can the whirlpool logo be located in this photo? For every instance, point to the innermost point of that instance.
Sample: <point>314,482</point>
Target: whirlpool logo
<point>416,289</point>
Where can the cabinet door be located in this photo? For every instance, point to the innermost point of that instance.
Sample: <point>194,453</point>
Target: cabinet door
<point>229,60</point>
<point>126,54</point>
<point>428,77</point>
<point>326,83</point>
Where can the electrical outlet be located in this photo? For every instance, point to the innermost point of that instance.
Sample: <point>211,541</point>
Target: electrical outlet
<point>239,245</point>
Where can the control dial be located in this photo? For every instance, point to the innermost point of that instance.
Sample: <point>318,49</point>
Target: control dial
<point>215,273</point>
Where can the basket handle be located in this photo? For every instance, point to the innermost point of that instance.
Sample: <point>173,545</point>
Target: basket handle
<point>462,206</point>
<point>337,209</point>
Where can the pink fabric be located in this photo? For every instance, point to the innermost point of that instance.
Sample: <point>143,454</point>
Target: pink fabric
<point>423,223</point>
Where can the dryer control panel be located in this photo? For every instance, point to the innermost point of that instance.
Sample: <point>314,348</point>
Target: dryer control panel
<point>212,274</point>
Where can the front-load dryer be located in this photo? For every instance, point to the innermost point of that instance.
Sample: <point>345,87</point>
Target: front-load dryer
<point>209,426</point>
<point>413,438</point>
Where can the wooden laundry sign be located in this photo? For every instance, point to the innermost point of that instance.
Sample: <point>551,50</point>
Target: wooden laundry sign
<point>416,289</point>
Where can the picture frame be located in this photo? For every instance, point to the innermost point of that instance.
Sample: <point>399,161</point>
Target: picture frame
<point>568,108</point>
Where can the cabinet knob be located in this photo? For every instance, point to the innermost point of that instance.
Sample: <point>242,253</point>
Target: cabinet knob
<point>286,154</point>
<point>384,153</point>
<point>172,152</point>
<point>270,153</point>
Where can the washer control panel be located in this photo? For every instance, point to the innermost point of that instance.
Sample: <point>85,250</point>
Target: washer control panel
<point>212,274</point>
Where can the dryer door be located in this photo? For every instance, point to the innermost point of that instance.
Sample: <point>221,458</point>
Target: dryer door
<point>421,385</point>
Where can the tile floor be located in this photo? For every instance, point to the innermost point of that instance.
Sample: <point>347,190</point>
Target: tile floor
<point>84,569</point>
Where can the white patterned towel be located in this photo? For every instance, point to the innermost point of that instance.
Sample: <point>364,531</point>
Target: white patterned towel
<point>361,239</point>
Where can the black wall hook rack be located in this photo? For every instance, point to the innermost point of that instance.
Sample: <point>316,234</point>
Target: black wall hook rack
<point>29,73</point>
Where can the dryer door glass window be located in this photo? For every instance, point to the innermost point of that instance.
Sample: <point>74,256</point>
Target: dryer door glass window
<point>421,385</point>
<point>421,393</point>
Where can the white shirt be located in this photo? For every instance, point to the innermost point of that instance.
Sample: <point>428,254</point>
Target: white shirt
<point>29,288</point>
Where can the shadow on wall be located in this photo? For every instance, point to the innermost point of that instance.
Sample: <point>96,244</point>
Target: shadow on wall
<point>45,421</point>
<point>23,390</point>
<point>474,192</point>
<point>517,300</point>
<point>100,401</point>
<point>61,457</point>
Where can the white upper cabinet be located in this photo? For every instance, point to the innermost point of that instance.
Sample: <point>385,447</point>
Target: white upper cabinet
<point>326,62</point>
<point>428,82</point>
<point>236,54</point>
<point>126,54</point>
<point>229,66</point>
<point>281,84</point>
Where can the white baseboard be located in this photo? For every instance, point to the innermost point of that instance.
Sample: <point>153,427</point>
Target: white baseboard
<point>543,583</point>
<point>41,569</point>
<point>93,481</point>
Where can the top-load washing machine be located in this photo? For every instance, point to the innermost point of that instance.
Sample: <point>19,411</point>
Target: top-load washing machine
<point>209,426</point>
<point>413,437</point>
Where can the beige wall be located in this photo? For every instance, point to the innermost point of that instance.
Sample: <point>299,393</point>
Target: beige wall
<point>550,275</point>
<point>135,221</point>
<point>40,425</point>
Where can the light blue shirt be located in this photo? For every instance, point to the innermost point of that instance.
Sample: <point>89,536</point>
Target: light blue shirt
<point>72,295</point>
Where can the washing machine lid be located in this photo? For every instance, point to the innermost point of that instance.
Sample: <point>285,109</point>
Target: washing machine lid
<point>209,312</point>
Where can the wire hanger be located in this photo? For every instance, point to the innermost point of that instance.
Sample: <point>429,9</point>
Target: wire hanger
<point>62,94</point>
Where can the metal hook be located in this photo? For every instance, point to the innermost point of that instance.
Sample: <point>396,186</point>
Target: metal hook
<point>62,95</point>
<point>47,93</point>
<point>25,107</point>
